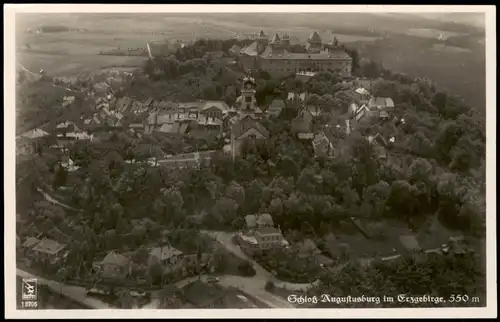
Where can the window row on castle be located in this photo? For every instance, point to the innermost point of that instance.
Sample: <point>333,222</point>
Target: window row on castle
<point>313,69</point>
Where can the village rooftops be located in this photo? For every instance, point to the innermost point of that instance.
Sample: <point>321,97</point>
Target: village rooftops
<point>362,91</point>
<point>217,104</point>
<point>165,252</point>
<point>113,258</point>
<point>380,102</point>
<point>34,134</point>
<point>48,246</point>
<point>292,96</point>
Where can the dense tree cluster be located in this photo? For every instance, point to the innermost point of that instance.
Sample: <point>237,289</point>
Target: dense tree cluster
<point>436,166</point>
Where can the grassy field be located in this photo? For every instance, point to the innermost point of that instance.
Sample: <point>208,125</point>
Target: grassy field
<point>405,50</point>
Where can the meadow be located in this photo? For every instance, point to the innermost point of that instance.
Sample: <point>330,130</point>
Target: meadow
<point>409,44</point>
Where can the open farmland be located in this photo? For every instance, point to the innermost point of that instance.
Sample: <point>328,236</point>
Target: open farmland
<point>408,45</point>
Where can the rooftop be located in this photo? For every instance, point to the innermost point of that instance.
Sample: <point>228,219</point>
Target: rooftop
<point>245,124</point>
<point>380,102</point>
<point>48,246</point>
<point>268,230</point>
<point>30,242</point>
<point>165,252</point>
<point>113,258</point>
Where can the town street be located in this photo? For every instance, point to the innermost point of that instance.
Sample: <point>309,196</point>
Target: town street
<point>76,293</point>
<point>260,273</point>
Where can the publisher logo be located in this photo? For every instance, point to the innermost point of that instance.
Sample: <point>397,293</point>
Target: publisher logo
<point>29,289</point>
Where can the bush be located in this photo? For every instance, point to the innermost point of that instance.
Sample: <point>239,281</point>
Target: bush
<point>269,286</point>
<point>246,269</point>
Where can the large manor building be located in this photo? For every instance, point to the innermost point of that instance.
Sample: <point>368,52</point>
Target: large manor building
<point>275,56</point>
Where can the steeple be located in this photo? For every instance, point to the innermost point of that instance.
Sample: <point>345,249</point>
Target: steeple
<point>314,38</point>
<point>285,40</point>
<point>334,42</point>
<point>314,42</point>
<point>247,101</point>
<point>276,39</point>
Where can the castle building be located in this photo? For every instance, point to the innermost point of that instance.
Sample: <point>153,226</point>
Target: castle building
<point>276,56</point>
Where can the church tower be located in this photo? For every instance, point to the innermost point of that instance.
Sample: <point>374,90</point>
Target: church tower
<point>247,103</point>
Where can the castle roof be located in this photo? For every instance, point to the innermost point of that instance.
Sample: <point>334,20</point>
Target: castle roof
<point>322,55</point>
<point>285,36</point>
<point>262,34</point>
<point>315,38</point>
<point>276,38</point>
<point>251,50</point>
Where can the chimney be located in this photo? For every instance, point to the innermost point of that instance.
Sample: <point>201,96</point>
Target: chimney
<point>348,126</point>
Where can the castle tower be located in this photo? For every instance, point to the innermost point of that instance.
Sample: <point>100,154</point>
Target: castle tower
<point>285,41</point>
<point>262,42</point>
<point>276,40</point>
<point>314,42</point>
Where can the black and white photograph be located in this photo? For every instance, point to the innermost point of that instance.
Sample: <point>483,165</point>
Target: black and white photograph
<point>249,161</point>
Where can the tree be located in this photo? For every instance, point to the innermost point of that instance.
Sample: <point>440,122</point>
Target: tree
<point>420,170</point>
<point>60,178</point>
<point>225,210</point>
<point>375,198</point>
<point>141,256</point>
<point>236,192</point>
<point>230,95</point>
<point>403,198</point>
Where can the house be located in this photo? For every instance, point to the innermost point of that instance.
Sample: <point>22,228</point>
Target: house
<point>322,145</point>
<point>214,109</point>
<point>307,249</point>
<point>203,296</point>
<point>29,243</point>
<point>293,96</point>
<point>365,83</point>
<point>34,134</point>
<point>76,135</point>
<point>261,220</point>
<point>380,145</point>
<point>302,124</point>
<point>247,130</point>
<point>124,104</point>
<point>69,165</point>
<point>275,108</point>
<point>357,111</point>
<point>164,255</point>
<point>48,250</point>
<point>114,265</point>
<point>269,237</point>
<point>381,106</point>
<point>328,142</point>
<point>68,100</point>
<point>261,235</point>
<point>235,50</point>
